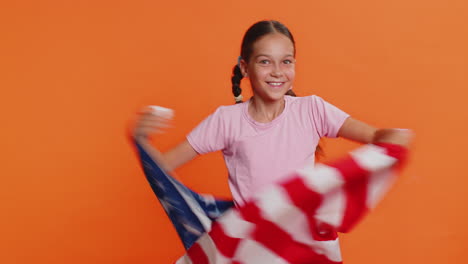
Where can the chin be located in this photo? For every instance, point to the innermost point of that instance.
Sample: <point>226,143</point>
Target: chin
<point>276,96</point>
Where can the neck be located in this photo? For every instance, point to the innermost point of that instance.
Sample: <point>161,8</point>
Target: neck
<point>265,111</point>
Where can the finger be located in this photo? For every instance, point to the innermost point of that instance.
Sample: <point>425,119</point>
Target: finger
<point>153,119</point>
<point>161,111</point>
<point>153,123</point>
<point>158,111</point>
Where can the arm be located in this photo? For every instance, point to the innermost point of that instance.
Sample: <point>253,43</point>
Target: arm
<point>152,122</point>
<point>207,137</point>
<point>358,131</point>
<point>173,158</point>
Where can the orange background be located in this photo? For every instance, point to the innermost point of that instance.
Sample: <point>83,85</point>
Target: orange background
<point>73,73</point>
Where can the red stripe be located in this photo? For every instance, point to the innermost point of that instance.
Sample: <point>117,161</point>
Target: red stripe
<point>197,255</point>
<point>397,151</point>
<point>355,187</point>
<point>278,241</point>
<point>308,201</point>
<point>226,245</point>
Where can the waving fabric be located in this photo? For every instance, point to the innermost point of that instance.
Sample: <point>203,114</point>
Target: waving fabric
<point>294,221</point>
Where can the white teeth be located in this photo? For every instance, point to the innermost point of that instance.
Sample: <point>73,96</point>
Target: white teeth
<point>275,83</point>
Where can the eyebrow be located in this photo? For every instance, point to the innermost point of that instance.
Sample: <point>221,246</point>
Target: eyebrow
<point>259,55</point>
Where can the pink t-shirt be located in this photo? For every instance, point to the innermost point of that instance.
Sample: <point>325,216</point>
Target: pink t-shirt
<point>258,154</point>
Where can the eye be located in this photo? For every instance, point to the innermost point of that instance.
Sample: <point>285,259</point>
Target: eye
<point>287,61</point>
<point>264,62</point>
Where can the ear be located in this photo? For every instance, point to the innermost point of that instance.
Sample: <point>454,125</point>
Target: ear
<point>243,68</point>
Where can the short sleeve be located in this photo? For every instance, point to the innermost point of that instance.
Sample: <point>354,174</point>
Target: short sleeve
<point>209,135</point>
<point>326,117</point>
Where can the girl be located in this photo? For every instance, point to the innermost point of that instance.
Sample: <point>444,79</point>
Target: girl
<point>272,133</point>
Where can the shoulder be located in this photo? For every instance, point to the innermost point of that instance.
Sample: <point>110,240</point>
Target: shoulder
<point>303,99</point>
<point>229,111</point>
<point>310,101</point>
<point>315,107</point>
<point>304,102</point>
<point>224,117</point>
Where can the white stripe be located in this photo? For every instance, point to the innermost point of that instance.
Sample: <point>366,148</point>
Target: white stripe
<point>195,207</point>
<point>330,248</point>
<point>276,206</point>
<point>184,260</point>
<point>208,246</point>
<point>333,207</point>
<point>372,158</point>
<point>234,225</point>
<point>252,252</point>
<point>379,184</point>
<point>321,178</point>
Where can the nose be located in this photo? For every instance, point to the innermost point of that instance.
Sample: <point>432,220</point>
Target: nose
<point>276,71</point>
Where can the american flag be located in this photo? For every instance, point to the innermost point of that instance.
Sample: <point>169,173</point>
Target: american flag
<point>294,221</point>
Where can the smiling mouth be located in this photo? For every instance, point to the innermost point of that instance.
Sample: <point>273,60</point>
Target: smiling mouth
<point>275,84</point>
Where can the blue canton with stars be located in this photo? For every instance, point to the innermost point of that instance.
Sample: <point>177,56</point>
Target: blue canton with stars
<point>191,213</point>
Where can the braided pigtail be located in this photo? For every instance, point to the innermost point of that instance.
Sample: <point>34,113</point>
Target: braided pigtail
<point>290,92</point>
<point>236,80</point>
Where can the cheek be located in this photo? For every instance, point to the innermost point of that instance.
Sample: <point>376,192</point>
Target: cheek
<point>291,73</point>
<point>259,73</point>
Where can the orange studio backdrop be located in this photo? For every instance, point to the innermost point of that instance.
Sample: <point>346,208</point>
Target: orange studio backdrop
<point>73,73</point>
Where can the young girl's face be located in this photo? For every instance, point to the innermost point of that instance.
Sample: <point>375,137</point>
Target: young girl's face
<point>271,67</point>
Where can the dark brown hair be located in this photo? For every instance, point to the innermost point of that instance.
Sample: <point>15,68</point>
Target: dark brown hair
<point>255,32</point>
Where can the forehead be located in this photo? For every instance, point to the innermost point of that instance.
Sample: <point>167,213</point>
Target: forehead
<point>275,44</point>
